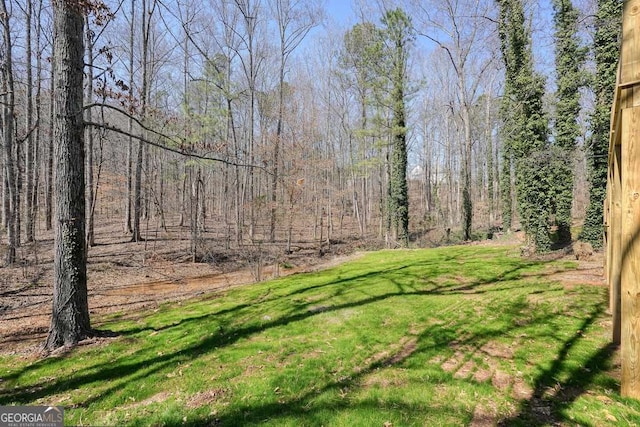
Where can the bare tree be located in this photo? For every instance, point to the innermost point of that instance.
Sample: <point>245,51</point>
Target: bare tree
<point>30,164</point>
<point>294,19</point>
<point>8,117</point>
<point>146,16</point>
<point>459,28</point>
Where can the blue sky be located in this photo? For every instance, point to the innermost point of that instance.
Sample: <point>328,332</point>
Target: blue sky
<point>340,11</point>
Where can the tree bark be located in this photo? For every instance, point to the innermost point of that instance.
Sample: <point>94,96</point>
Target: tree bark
<point>11,211</point>
<point>70,316</point>
<point>30,148</point>
<point>89,135</point>
<point>49,168</point>
<point>137,198</point>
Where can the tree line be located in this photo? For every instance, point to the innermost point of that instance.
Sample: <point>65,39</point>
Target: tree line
<point>259,116</point>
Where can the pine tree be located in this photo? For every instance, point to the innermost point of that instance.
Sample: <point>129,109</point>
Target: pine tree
<point>606,46</point>
<point>570,58</point>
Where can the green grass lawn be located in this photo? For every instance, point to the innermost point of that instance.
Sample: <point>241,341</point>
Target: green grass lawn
<point>437,337</point>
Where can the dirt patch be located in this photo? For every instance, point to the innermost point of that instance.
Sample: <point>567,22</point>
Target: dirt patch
<point>482,375</point>
<point>156,398</point>
<point>465,370</point>
<point>206,398</point>
<point>129,277</point>
<point>406,350</point>
<point>389,357</point>
<point>501,380</point>
<point>453,362</point>
<point>521,390</point>
<point>483,417</point>
<point>497,349</point>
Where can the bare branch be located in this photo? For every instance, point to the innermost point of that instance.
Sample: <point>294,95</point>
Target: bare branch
<point>179,151</point>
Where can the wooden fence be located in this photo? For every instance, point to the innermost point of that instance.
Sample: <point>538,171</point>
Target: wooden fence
<point>622,205</point>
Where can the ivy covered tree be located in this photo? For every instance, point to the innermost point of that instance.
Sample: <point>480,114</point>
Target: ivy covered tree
<point>607,47</point>
<point>400,35</point>
<point>525,131</point>
<point>570,58</point>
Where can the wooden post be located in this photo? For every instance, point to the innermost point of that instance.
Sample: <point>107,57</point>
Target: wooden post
<point>623,204</point>
<point>630,216</point>
<point>614,241</point>
<point>630,285</point>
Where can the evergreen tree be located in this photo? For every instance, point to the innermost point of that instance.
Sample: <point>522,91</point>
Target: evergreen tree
<point>525,125</point>
<point>570,58</point>
<point>399,33</point>
<point>607,47</point>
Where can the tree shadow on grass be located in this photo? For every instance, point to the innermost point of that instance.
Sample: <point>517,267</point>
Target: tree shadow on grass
<point>550,397</point>
<point>146,362</point>
<point>305,408</point>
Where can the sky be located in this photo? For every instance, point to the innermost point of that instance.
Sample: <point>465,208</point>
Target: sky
<point>341,13</point>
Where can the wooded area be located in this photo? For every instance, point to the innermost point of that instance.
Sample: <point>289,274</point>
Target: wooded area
<point>268,124</point>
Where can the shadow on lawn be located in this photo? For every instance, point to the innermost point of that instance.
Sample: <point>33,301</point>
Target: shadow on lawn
<point>550,397</point>
<point>139,365</point>
<point>434,339</point>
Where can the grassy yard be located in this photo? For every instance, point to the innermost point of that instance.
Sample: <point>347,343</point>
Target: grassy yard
<point>450,336</point>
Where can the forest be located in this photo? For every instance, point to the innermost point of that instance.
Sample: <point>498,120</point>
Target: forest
<point>260,126</point>
<point>271,121</point>
<point>407,185</point>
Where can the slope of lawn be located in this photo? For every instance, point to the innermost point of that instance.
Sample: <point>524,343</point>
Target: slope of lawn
<point>448,336</point>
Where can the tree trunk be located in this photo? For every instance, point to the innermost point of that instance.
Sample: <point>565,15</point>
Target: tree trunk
<point>70,316</point>
<point>49,169</point>
<point>30,158</point>
<point>137,198</point>
<point>11,212</point>
<point>89,135</point>
<point>38,116</point>
<point>127,209</point>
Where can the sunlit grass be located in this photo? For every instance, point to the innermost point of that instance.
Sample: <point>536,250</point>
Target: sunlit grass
<point>422,337</point>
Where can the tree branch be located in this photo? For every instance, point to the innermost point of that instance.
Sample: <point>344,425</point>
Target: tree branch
<point>179,151</point>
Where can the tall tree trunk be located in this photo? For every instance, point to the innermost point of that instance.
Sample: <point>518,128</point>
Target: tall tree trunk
<point>50,150</point>
<point>127,210</point>
<point>38,116</point>
<point>606,45</point>
<point>11,211</point>
<point>506,194</point>
<point>490,163</point>
<point>29,159</point>
<point>137,199</point>
<point>70,316</point>
<point>89,135</point>
<point>276,151</point>
<point>467,205</point>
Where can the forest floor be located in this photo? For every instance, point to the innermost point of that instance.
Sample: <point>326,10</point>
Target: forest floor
<point>130,276</point>
<point>124,275</point>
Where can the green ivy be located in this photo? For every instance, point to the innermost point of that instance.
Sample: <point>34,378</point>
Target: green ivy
<point>570,58</point>
<point>525,127</point>
<point>607,48</point>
